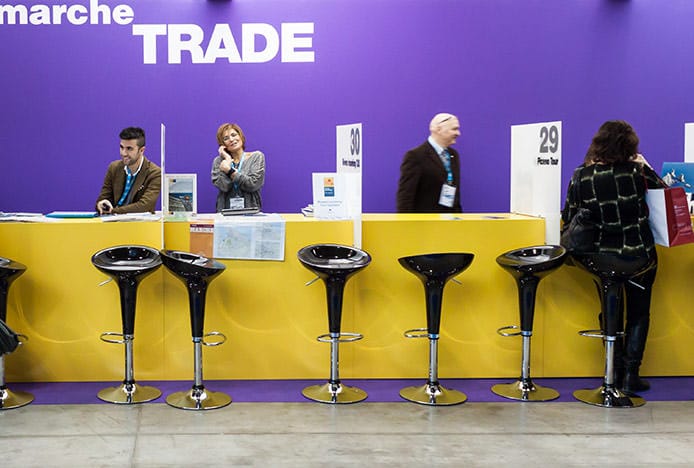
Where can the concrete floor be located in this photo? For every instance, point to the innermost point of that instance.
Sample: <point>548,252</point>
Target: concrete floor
<point>364,434</point>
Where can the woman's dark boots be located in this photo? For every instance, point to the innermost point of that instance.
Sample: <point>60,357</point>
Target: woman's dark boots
<point>633,383</point>
<point>634,346</point>
<point>638,302</point>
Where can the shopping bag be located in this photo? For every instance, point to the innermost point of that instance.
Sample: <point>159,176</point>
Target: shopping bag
<point>669,216</point>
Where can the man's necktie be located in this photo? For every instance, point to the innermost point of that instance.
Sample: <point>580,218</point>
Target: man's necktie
<point>446,159</point>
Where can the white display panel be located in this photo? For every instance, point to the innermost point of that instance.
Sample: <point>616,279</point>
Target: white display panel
<point>181,193</point>
<point>329,196</point>
<point>689,142</point>
<point>348,152</point>
<point>536,173</point>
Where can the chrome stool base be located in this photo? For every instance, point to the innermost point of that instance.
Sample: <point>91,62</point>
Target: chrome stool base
<point>525,391</point>
<point>334,393</point>
<point>433,395</point>
<point>608,397</point>
<point>127,394</point>
<point>198,399</point>
<point>12,400</point>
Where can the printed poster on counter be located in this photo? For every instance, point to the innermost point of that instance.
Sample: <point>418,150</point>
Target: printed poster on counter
<point>329,195</point>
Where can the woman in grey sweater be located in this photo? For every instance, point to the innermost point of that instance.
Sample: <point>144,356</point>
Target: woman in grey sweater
<point>239,175</point>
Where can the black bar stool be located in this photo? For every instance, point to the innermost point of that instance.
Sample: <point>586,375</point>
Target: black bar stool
<point>612,272</point>
<point>434,270</point>
<point>528,266</point>
<point>9,271</point>
<point>127,265</point>
<point>196,273</point>
<point>334,264</point>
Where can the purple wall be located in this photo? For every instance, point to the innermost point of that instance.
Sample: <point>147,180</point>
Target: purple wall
<point>67,90</point>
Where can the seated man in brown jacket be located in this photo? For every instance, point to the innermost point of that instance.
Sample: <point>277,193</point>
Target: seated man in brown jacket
<point>132,184</point>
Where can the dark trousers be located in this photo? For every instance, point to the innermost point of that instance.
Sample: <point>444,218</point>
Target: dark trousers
<point>638,315</point>
<point>636,306</point>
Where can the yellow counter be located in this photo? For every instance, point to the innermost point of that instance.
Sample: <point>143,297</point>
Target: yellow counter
<point>271,319</point>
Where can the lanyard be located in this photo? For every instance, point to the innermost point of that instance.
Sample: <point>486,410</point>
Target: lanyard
<point>446,159</point>
<point>237,168</point>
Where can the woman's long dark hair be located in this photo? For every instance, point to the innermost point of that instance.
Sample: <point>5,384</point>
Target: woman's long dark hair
<point>616,141</point>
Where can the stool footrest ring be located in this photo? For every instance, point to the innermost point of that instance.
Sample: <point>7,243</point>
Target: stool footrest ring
<point>223,339</point>
<point>327,338</point>
<point>309,283</point>
<point>501,331</point>
<point>596,334</point>
<point>416,333</point>
<point>108,340</point>
<point>592,333</point>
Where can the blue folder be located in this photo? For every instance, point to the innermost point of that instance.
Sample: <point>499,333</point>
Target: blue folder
<point>72,214</point>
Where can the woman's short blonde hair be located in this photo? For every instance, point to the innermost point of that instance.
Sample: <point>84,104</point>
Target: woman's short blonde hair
<point>230,126</point>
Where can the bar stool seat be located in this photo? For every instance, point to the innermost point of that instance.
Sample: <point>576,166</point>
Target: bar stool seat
<point>334,264</point>
<point>612,272</point>
<point>434,270</point>
<point>128,265</point>
<point>196,273</point>
<point>528,266</point>
<point>10,271</point>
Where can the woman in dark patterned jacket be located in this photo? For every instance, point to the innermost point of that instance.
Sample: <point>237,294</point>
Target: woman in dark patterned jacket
<point>612,184</point>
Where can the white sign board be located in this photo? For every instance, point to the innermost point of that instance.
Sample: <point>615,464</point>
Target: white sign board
<point>329,196</point>
<point>536,174</point>
<point>180,192</point>
<point>689,142</point>
<point>162,163</point>
<point>348,152</point>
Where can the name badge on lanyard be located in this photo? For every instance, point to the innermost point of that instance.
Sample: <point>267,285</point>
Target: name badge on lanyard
<point>447,195</point>
<point>236,203</point>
